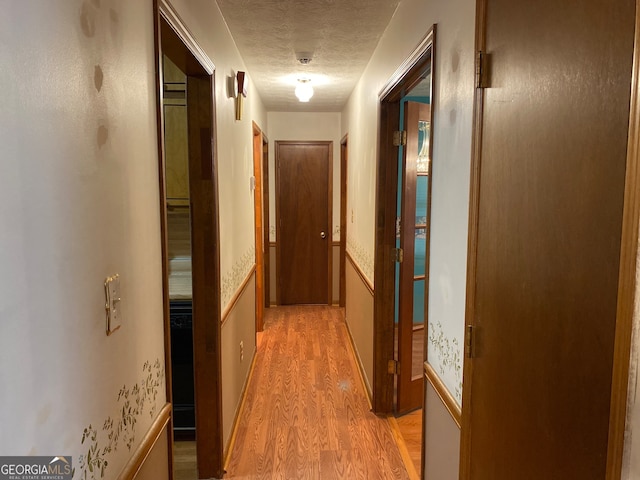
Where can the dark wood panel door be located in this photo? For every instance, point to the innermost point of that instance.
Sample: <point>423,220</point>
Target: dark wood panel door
<point>303,221</point>
<point>412,310</point>
<point>549,186</point>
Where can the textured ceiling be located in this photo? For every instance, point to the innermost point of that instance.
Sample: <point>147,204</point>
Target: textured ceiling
<point>340,35</point>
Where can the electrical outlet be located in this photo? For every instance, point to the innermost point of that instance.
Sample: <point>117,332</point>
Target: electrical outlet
<point>241,351</point>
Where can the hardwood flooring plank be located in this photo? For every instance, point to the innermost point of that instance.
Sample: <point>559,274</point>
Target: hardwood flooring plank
<point>306,414</point>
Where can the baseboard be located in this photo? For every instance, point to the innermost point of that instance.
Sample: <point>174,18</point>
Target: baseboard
<point>158,427</point>
<point>404,451</point>
<point>239,412</point>
<point>361,371</point>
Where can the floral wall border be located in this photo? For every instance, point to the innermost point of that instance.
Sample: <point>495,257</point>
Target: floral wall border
<point>361,255</point>
<point>448,355</point>
<point>232,280</point>
<point>100,443</point>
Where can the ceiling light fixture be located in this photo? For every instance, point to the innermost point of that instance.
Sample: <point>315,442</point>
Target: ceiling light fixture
<point>304,90</point>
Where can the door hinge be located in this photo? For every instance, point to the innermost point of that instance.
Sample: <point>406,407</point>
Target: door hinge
<point>399,138</point>
<point>393,367</point>
<point>397,255</point>
<point>481,69</point>
<point>398,226</point>
<point>470,341</point>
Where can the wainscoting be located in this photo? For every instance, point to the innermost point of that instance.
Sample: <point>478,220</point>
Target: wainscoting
<point>442,419</point>
<point>238,326</point>
<point>359,318</point>
<point>150,461</point>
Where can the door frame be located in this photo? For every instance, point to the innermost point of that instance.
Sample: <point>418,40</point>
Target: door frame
<point>179,44</point>
<point>259,225</point>
<point>328,143</point>
<point>344,160</point>
<point>627,269</point>
<point>405,78</point>
<point>265,221</point>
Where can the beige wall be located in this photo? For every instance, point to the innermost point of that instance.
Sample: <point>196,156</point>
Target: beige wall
<point>359,313</point>
<point>238,327</point>
<point>79,201</point>
<point>442,439</point>
<point>155,464</point>
<point>79,192</point>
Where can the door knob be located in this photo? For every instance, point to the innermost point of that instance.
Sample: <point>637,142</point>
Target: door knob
<point>323,235</point>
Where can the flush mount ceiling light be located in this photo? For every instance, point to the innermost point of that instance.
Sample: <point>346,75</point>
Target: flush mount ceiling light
<point>304,90</point>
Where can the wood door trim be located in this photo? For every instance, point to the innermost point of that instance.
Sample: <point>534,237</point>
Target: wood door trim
<point>236,296</point>
<point>164,239</point>
<point>472,248</point>
<point>384,265</point>
<point>344,159</point>
<point>329,144</point>
<point>265,220</point>
<point>411,61</point>
<point>183,33</point>
<point>135,463</point>
<point>258,210</point>
<point>203,173</point>
<point>360,273</point>
<point>627,274</point>
<point>443,392</point>
<point>406,76</point>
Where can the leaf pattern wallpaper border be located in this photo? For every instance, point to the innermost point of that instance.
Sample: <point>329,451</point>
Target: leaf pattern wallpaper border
<point>232,280</point>
<point>362,256</point>
<point>448,357</point>
<point>120,431</point>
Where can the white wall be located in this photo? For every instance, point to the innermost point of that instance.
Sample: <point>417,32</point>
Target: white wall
<point>79,201</point>
<point>453,108</point>
<point>304,126</point>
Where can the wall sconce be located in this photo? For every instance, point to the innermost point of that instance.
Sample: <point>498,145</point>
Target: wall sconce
<point>304,90</point>
<point>239,91</point>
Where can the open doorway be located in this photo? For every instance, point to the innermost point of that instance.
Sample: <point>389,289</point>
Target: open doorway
<point>190,243</point>
<point>402,238</point>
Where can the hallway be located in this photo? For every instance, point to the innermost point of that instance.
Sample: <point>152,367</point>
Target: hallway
<point>306,414</point>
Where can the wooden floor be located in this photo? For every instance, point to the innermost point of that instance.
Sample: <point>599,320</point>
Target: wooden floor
<point>410,428</point>
<point>306,415</point>
<point>184,460</point>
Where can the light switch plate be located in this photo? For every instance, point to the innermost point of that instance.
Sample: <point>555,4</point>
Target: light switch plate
<point>112,292</point>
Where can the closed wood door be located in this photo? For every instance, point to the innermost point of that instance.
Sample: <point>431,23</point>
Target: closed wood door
<point>548,183</point>
<point>303,222</point>
<point>413,241</point>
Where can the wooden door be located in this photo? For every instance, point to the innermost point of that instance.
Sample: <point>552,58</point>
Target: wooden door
<point>413,242</point>
<point>547,202</point>
<point>258,225</point>
<point>303,222</point>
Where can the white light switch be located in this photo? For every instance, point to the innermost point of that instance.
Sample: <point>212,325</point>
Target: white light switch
<point>112,292</point>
